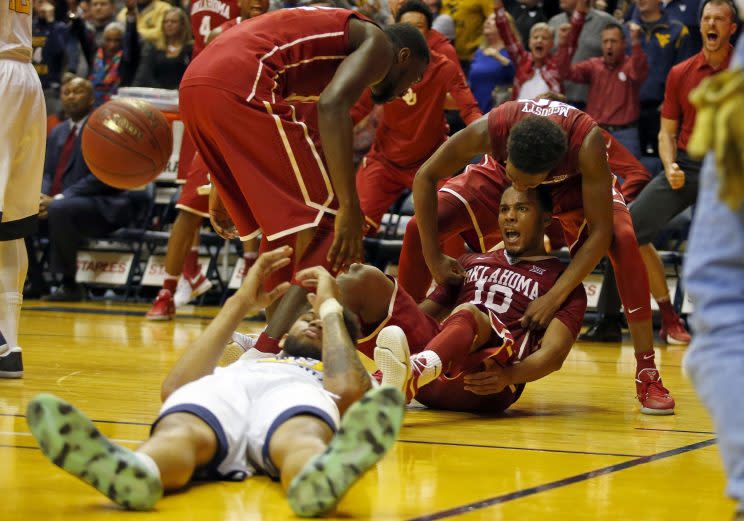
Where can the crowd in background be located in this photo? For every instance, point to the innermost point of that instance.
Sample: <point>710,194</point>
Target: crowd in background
<point>609,58</point>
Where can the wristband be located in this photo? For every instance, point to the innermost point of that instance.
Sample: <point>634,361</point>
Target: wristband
<point>330,306</point>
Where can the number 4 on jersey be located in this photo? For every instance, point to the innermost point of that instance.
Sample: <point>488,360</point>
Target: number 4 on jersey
<point>204,28</point>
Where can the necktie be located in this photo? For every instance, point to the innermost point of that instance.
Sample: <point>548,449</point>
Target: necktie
<point>64,159</point>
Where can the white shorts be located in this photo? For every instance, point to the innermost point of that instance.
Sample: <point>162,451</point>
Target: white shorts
<point>22,148</point>
<point>244,403</point>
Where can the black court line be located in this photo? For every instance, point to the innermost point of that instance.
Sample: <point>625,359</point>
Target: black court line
<point>485,503</point>
<point>122,312</point>
<point>94,421</point>
<point>524,448</point>
<point>5,446</point>
<point>675,430</point>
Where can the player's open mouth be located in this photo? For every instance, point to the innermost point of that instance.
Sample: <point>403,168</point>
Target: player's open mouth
<point>538,49</point>
<point>711,36</point>
<point>511,235</point>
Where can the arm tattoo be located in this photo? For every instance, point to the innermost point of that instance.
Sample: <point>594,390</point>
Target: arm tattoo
<point>340,358</point>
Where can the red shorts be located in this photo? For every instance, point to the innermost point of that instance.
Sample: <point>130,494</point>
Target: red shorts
<point>185,156</point>
<point>263,159</point>
<point>479,190</point>
<point>190,200</point>
<point>379,184</point>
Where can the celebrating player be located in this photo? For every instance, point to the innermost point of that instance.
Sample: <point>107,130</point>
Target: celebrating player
<point>22,144</point>
<point>276,415</point>
<point>551,143</point>
<point>411,128</point>
<point>264,156</point>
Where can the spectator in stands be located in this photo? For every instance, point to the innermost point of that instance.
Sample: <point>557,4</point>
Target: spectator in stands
<point>666,42</point>
<point>469,16</point>
<point>527,13</point>
<point>113,64</point>
<point>492,71</point>
<point>589,44</point>
<point>537,70</point>
<point>50,38</point>
<point>442,22</point>
<point>162,67</point>
<point>437,41</point>
<point>150,15</point>
<point>614,81</point>
<point>74,203</point>
<point>102,14</point>
<point>669,194</point>
<point>686,12</point>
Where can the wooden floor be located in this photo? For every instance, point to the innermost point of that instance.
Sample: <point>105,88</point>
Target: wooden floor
<point>574,447</point>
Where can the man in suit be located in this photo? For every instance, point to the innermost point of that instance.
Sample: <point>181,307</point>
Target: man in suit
<point>74,203</point>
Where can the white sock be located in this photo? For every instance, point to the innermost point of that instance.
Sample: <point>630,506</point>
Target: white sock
<point>430,369</point>
<point>10,313</point>
<point>13,268</point>
<point>148,462</point>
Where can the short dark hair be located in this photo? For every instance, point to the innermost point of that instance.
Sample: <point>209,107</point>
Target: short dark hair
<point>407,36</point>
<point>614,25</point>
<point>416,6</point>
<point>729,3</point>
<point>536,144</point>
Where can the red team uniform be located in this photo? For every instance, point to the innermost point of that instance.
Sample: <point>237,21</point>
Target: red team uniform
<point>208,15</point>
<point>468,204</point>
<point>263,155</point>
<point>500,287</point>
<point>410,131</point>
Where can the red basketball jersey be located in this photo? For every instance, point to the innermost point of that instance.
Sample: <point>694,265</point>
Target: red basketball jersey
<point>505,287</point>
<point>207,15</point>
<point>574,122</point>
<point>289,53</point>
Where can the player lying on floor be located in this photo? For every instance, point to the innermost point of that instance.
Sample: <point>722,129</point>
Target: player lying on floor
<point>275,415</point>
<point>480,357</point>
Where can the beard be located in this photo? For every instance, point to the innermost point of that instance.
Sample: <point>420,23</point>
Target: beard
<point>297,347</point>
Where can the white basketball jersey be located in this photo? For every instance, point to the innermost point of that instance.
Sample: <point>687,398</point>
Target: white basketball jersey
<point>15,29</point>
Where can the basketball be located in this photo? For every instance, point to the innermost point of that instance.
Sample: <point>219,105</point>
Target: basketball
<point>127,143</point>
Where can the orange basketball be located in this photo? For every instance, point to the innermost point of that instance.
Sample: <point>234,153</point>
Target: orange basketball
<point>127,143</point>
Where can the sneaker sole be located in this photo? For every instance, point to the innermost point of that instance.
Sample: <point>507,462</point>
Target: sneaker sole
<point>159,318</point>
<point>393,357</point>
<point>368,430</point>
<point>9,358</point>
<point>656,412</point>
<point>201,289</point>
<point>673,341</point>
<point>71,441</point>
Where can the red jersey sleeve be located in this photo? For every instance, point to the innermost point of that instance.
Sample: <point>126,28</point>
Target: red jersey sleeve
<point>624,165</point>
<point>672,108</point>
<point>571,313</point>
<point>445,295</point>
<point>460,92</point>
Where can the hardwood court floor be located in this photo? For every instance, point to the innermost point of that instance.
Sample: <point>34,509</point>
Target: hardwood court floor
<point>574,447</point>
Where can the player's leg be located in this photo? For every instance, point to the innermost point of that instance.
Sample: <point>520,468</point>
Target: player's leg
<point>452,220</point>
<point>378,186</point>
<point>22,143</point>
<point>656,205</point>
<point>179,245</point>
<point>316,469</point>
<point>465,330</point>
<point>632,285</point>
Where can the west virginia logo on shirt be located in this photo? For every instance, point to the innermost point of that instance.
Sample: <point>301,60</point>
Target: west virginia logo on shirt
<point>663,39</point>
<point>410,97</point>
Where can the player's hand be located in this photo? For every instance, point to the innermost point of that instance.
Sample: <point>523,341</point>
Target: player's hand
<point>540,312</point>
<point>44,201</point>
<point>220,219</point>
<point>564,31</point>
<point>320,283</point>
<point>347,245</point>
<point>447,270</point>
<point>252,292</point>
<point>492,380</point>
<point>675,176</point>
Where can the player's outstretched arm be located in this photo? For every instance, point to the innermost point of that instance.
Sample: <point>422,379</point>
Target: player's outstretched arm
<point>366,65</point>
<point>344,374</point>
<point>450,158</point>
<point>556,345</point>
<point>202,356</point>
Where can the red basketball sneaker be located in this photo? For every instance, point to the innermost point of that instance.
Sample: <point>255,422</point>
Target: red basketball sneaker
<point>400,369</point>
<point>654,397</point>
<point>673,330</point>
<point>163,308</point>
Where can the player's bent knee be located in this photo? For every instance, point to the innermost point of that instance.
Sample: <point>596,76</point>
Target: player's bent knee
<point>192,430</point>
